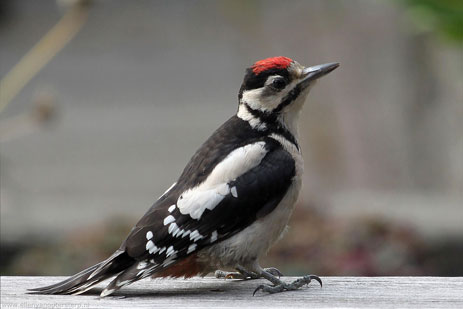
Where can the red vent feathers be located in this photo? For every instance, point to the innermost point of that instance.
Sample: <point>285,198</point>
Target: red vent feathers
<point>271,63</point>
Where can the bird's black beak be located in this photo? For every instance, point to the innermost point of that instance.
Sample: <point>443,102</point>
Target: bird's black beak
<point>315,72</point>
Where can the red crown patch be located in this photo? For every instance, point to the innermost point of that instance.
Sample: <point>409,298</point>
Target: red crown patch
<point>271,63</point>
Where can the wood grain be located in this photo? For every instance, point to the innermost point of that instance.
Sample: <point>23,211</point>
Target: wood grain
<point>346,292</point>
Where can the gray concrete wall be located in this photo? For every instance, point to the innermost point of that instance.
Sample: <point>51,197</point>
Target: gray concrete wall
<point>145,82</point>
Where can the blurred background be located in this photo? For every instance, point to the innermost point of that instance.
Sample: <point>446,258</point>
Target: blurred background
<point>99,118</point>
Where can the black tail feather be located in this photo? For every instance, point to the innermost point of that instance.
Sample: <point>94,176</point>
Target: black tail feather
<point>89,277</point>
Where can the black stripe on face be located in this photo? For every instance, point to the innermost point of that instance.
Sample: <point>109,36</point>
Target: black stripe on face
<point>270,116</point>
<point>253,81</point>
<point>289,98</point>
<point>272,124</point>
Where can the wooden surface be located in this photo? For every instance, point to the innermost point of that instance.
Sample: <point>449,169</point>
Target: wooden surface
<point>350,292</point>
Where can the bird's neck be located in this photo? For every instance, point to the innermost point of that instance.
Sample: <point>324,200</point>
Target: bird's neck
<point>290,120</point>
<point>263,121</point>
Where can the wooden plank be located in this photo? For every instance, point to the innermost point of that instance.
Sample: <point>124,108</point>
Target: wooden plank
<point>346,292</point>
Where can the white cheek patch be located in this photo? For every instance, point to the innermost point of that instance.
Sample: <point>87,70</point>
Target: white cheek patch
<point>215,188</point>
<point>266,103</point>
<point>254,98</point>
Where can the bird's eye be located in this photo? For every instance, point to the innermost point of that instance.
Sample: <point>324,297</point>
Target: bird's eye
<point>278,83</point>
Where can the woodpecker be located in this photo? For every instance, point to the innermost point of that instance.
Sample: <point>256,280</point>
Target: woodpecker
<point>232,201</point>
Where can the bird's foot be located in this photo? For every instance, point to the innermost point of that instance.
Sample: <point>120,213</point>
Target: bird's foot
<point>280,286</point>
<point>243,274</point>
<point>273,271</point>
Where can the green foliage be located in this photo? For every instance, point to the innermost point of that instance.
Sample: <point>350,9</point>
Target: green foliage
<point>442,16</point>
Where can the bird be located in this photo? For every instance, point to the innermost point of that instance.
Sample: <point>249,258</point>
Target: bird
<point>232,201</point>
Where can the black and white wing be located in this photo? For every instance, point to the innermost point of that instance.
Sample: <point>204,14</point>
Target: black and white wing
<point>215,198</point>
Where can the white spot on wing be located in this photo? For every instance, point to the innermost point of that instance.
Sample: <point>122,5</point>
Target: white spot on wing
<point>195,236</point>
<point>141,265</point>
<point>170,251</point>
<point>212,191</point>
<point>149,235</point>
<point>169,219</point>
<point>171,208</point>
<point>214,236</point>
<point>191,248</point>
<point>151,247</point>
<point>173,229</point>
<point>169,260</point>
<point>185,233</point>
<point>234,193</point>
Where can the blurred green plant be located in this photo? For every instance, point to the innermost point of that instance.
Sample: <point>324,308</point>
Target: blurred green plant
<point>444,17</point>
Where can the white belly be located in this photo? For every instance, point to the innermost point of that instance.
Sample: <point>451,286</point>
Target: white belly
<point>247,246</point>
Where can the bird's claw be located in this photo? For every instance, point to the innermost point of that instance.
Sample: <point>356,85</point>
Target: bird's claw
<point>274,271</point>
<point>244,274</point>
<point>316,278</point>
<point>288,287</point>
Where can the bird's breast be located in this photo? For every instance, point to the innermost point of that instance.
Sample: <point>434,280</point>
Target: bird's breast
<point>248,245</point>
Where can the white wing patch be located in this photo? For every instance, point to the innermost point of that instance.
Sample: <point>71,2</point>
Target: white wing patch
<point>195,201</point>
<point>213,190</point>
<point>238,162</point>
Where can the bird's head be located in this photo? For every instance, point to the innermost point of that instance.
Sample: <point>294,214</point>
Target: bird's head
<point>274,89</point>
